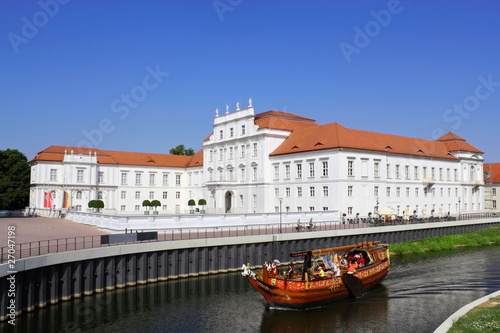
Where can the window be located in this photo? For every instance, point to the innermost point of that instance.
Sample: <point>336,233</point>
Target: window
<point>287,191</point>
<point>242,175</point>
<point>78,208</point>
<point>276,192</point>
<point>494,191</point>
<point>299,191</point>
<point>124,178</point>
<point>325,208</point>
<point>211,156</point>
<point>349,191</point>
<point>455,174</point>
<point>415,172</point>
<point>178,180</point>
<point>242,151</point>
<point>53,175</point>
<point>350,168</point>
<point>242,129</point>
<point>398,192</point>
<point>416,192</point>
<point>221,134</point>
<point>152,179</point>
<point>165,195</point>
<point>254,173</point>
<point>396,169</point>
<point>299,208</point>
<point>433,173</point>
<point>287,208</point>
<point>424,172</point>
<point>325,191</point>
<point>311,208</point>
<point>231,132</point>
<point>407,192</point>
<point>100,177</point>
<point>137,179</point>
<point>388,171</point>
<point>254,201</point>
<point>137,194</point>
<point>137,207</point>
<point>407,172</point>
<point>387,191</point>
<point>349,210</point>
<point>79,176</point>
<point>448,174</point>
<point>375,191</point>
<point>276,172</point>
<point>254,149</point>
<point>287,171</point>
<point>122,208</point>
<point>299,170</point>
<point>231,153</point>
<point>312,191</point>
<point>311,169</point>
<point>123,195</point>
<point>165,180</point>
<point>79,194</point>
<point>325,168</point>
<point>440,174</point>
<point>151,195</point>
<point>494,204</point>
<point>177,194</point>
<point>221,154</point>
<point>376,170</point>
<point>99,195</point>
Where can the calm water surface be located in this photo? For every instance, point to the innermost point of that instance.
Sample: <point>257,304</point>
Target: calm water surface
<point>419,293</point>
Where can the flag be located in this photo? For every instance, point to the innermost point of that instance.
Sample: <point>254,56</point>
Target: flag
<point>47,200</point>
<point>66,200</point>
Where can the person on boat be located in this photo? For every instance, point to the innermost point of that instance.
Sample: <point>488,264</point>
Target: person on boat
<point>361,261</point>
<point>268,266</point>
<point>291,270</point>
<point>350,268</point>
<point>274,269</point>
<point>298,225</point>
<point>321,272</point>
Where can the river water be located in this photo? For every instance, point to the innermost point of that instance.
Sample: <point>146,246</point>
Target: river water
<point>418,294</point>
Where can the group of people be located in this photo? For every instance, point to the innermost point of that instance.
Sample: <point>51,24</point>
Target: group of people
<point>299,226</point>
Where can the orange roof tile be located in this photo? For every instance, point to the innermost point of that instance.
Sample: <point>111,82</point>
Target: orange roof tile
<point>282,120</point>
<point>334,135</point>
<point>455,143</point>
<point>56,153</point>
<point>491,172</point>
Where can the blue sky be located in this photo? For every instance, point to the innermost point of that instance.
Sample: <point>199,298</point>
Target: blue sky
<point>146,76</point>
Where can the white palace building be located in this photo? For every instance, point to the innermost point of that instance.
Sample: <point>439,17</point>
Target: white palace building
<point>269,162</point>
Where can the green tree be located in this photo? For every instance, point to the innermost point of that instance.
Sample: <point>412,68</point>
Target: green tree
<point>14,180</point>
<point>181,150</point>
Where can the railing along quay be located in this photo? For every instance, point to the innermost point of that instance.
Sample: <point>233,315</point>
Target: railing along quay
<point>37,248</point>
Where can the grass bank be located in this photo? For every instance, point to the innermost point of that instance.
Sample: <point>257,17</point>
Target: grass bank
<point>478,320</point>
<point>489,236</point>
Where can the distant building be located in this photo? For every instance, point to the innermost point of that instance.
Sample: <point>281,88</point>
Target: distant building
<point>270,161</point>
<point>492,187</point>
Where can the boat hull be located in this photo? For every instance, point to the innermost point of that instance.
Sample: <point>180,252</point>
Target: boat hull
<point>281,292</point>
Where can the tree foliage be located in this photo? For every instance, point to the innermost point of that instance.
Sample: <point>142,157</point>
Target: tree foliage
<point>181,150</point>
<point>191,202</point>
<point>155,203</point>
<point>14,180</point>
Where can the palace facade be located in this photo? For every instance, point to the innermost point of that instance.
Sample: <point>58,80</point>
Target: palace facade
<point>270,162</point>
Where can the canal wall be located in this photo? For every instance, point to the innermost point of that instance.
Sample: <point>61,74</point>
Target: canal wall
<point>39,281</point>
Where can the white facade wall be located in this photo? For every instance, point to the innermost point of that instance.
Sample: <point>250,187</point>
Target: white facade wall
<point>239,176</point>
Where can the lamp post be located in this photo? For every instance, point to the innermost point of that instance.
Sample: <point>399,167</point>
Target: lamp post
<point>458,208</point>
<point>281,200</point>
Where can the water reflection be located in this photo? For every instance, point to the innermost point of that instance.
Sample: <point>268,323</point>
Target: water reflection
<point>417,295</point>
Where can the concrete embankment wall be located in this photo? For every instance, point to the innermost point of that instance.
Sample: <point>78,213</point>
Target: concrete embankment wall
<point>43,280</point>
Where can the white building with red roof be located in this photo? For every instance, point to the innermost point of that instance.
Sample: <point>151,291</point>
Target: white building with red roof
<point>272,161</point>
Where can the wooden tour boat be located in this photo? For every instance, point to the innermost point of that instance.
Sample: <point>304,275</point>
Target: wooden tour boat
<point>326,275</point>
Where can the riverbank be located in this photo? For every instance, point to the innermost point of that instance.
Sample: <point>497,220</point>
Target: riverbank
<point>489,236</point>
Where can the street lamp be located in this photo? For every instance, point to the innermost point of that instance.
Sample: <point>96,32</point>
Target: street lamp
<point>281,200</point>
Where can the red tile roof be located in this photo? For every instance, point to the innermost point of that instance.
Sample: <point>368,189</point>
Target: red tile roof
<point>56,154</point>
<point>283,121</point>
<point>491,173</point>
<point>334,135</point>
